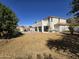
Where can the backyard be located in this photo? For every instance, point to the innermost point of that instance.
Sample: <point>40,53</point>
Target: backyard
<point>32,46</point>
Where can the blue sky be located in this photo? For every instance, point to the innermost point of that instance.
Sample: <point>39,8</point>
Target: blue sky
<point>29,11</point>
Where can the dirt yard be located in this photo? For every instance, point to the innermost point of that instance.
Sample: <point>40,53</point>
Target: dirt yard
<point>30,46</point>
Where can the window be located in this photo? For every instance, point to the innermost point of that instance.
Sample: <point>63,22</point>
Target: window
<point>40,29</point>
<point>51,19</point>
<point>35,28</point>
<point>46,28</point>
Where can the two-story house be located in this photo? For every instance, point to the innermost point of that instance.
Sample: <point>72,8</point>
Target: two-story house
<point>51,24</point>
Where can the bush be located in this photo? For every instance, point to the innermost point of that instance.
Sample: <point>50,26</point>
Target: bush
<point>17,34</point>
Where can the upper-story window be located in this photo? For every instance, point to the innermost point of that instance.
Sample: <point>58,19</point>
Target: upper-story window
<point>51,19</point>
<point>58,20</point>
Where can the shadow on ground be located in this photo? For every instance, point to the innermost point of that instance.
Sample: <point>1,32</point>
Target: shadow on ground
<point>10,36</point>
<point>69,42</point>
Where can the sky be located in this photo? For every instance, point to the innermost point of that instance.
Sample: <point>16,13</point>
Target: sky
<point>29,11</point>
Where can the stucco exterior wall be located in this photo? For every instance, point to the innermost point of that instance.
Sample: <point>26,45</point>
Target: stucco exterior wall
<point>45,22</point>
<point>37,24</point>
<point>55,20</point>
<point>51,22</point>
<point>63,28</point>
<point>62,21</point>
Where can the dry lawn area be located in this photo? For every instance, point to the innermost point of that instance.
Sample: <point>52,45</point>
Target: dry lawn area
<point>30,45</point>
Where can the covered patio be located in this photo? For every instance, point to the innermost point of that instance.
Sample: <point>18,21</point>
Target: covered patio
<point>42,28</point>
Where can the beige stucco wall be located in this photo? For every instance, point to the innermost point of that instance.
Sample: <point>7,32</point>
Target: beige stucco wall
<point>63,28</point>
<point>55,21</point>
<point>62,21</point>
<point>37,24</point>
<point>45,22</point>
<point>51,24</point>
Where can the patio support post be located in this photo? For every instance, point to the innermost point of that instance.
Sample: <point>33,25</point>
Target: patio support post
<point>37,29</point>
<point>42,28</point>
<point>49,24</point>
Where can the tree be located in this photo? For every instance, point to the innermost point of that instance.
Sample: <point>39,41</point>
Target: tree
<point>75,8</point>
<point>75,20</point>
<point>71,28</point>
<point>8,21</point>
